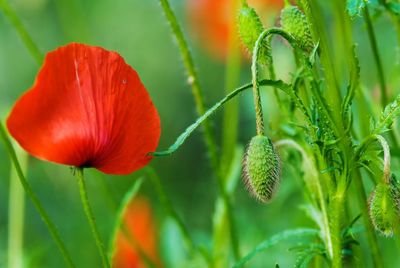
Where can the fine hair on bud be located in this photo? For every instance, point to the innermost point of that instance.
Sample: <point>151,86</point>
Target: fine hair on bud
<point>295,23</point>
<point>384,209</point>
<point>250,28</point>
<point>261,168</point>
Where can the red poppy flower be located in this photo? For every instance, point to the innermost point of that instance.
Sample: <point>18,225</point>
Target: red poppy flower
<point>87,108</point>
<point>141,231</point>
<point>212,20</point>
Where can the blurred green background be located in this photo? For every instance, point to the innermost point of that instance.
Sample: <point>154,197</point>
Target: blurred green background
<point>138,30</point>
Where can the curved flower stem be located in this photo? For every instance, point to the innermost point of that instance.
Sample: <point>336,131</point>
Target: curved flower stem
<point>42,212</point>
<point>378,62</point>
<point>90,216</point>
<point>254,73</point>
<point>23,33</point>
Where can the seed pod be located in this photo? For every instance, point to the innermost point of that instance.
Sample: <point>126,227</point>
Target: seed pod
<point>295,22</point>
<point>384,209</point>
<point>250,27</point>
<point>261,168</point>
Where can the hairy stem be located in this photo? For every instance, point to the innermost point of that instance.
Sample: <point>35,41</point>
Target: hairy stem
<point>35,200</point>
<point>90,217</point>
<point>193,79</point>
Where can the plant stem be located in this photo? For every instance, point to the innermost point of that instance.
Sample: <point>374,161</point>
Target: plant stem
<point>200,106</point>
<point>377,58</point>
<point>90,216</point>
<point>16,214</point>
<point>336,214</point>
<point>167,204</point>
<point>43,214</point>
<point>193,79</point>
<point>23,33</point>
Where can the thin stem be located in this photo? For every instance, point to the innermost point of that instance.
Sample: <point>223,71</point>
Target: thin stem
<point>16,215</point>
<point>198,97</point>
<point>42,212</point>
<point>255,70</point>
<point>193,79</point>
<point>377,58</point>
<point>167,204</point>
<point>90,216</point>
<point>22,32</point>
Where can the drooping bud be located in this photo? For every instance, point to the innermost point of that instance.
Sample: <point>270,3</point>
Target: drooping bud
<point>250,26</point>
<point>261,168</point>
<point>384,209</point>
<point>295,22</point>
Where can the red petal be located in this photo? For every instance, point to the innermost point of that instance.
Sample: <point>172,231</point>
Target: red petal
<point>138,222</point>
<point>87,108</point>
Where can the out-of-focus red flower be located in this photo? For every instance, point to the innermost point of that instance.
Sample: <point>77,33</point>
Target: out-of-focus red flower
<point>212,20</point>
<point>141,231</point>
<point>87,108</point>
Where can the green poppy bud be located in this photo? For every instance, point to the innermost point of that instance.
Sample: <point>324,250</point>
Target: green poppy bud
<point>250,26</point>
<point>384,208</point>
<point>261,168</point>
<point>295,22</point>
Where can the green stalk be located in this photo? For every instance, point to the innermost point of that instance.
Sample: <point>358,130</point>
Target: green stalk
<point>221,234</point>
<point>193,79</point>
<point>336,214</point>
<point>16,215</point>
<point>377,58</point>
<point>200,106</point>
<point>169,208</point>
<point>39,207</point>
<point>22,32</point>
<point>90,216</point>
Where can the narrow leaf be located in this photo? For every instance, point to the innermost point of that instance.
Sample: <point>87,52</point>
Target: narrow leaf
<point>299,233</point>
<point>354,84</point>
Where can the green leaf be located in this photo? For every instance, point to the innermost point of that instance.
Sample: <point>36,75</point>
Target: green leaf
<point>181,139</point>
<point>295,233</point>
<point>354,7</point>
<point>394,7</point>
<point>389,114</point>
<point>354,84</point>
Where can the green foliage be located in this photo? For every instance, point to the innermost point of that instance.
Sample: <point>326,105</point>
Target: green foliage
<point>354,7</point>
<point>354,84</point>
<point>275,239</point>
<point>261,168</point>
<point>389,114</point>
